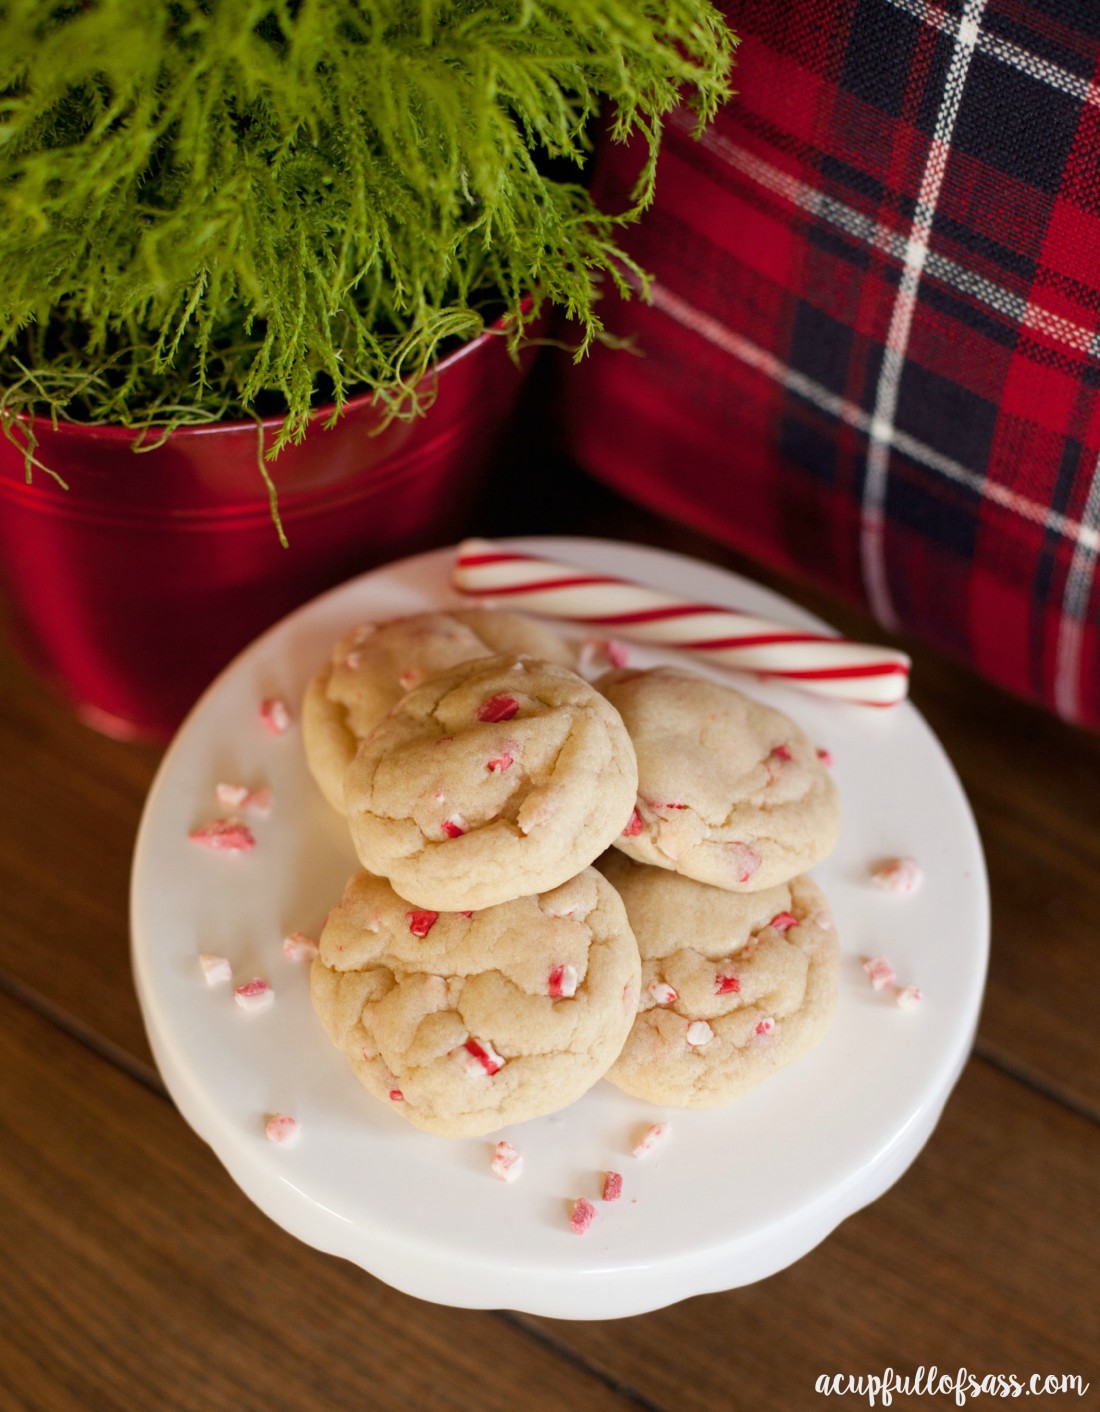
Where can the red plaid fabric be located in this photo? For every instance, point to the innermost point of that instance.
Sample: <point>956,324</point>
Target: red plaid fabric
<point>872,355</point>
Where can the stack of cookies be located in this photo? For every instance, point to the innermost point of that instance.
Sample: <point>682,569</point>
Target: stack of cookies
<point>479,971</point>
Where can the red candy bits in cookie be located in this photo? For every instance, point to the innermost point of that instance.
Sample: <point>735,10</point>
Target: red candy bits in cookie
<point>483,1058</point>
<point>726,985</point>
<point>563,981</point>
<point>634,825</point>
<point>498,708</point>
<point>745,861</point>
<point>421,923</point>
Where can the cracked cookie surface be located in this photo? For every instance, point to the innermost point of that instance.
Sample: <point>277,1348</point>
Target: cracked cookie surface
<point>466,1023</point>
<point>501,778</point>
<point>730,791</point>
<point>372,666</point>
<point>734,985</point>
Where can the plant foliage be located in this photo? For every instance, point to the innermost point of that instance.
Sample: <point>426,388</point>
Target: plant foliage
<point>217,208</point>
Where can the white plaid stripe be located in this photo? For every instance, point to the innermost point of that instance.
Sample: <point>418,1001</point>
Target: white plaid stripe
<point>872,530</point>
<point>1085,535</point>
<point>1075,604</point>
<point>919,260</point>
<point>1013,307</point>
<point>1073,85</point>
<point>1082,572</point>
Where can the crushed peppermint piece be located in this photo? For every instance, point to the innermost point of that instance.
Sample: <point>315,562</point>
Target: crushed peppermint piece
<point>396,1096</point>
<point>783,921</point>
<point>299,947</point>
<point>224,836</point>
<point>483,1058</point>
<point>766,1026</point>
<point>239,796</point>
<point>582,1215</point>
<point>634,825</point>
<point>653,1136</point>
<point>563,981</point>
<point>421,923</point>
<point>908,997</point>
<point>408,679</point>
<point>879,972</point>
<point>595,653</point>
<point>612,1186</point>
<point>259,801</point>
<point>275,715</point>
<point>782,752</point>
<point>466,914</point>
<point>826,758</point>
<point>498,708</point>
<point>499,764</point>
<point>282,1129</point>
<point>745,859</point>
<point>900,875</point>
<point>507,1163</point>
<point>698,1034</point>
<point>231,795</point>
<point>726,985</point>
<point>216,970</point>
<point>662,992</point>
<point>455,826</point>
<point>254,995</point>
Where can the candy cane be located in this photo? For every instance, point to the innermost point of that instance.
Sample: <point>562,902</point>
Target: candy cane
<point>829,666</point>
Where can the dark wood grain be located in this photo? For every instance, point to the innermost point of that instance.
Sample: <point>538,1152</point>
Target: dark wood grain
<point>136,1275</point>
<point>982,1256</point>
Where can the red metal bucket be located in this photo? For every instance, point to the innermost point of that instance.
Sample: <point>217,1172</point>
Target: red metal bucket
<point>131,589</point>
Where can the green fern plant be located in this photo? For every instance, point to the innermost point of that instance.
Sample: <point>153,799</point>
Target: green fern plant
<point>227,208</point>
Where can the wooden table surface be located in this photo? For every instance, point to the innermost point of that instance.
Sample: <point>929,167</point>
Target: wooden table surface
<point>136,1276</point>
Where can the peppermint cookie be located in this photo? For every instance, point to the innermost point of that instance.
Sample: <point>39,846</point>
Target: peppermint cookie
<point>375,664</point>
<point>734,985</point>
<point>464,1022</point>
<point>503,777</point>
<point>730,792</point>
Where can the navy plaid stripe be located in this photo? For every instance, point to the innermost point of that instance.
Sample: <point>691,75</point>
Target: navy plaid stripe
<point>874,348</point>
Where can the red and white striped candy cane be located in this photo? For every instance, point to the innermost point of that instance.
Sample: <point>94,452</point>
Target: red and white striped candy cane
<point>829,666</point>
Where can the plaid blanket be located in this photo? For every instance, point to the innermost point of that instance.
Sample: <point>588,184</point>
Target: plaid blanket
<point>872,355</point>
